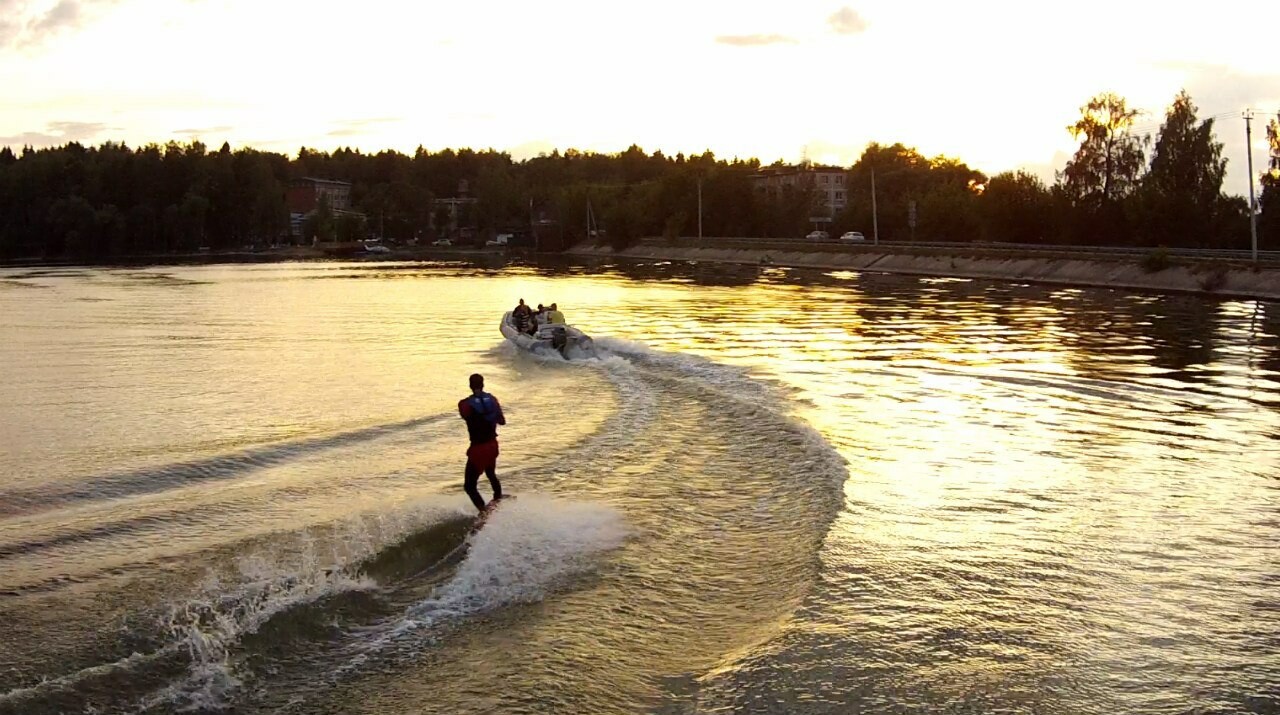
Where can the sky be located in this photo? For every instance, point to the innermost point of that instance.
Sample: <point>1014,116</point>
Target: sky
<point>994,84</point>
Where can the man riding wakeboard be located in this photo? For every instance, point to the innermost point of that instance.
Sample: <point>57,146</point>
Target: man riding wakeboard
<point>482,414</point>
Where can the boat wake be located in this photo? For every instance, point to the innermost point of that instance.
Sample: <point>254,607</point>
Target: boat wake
<point>525,549</point>
<point>301,611</point>
<point>529,548</point>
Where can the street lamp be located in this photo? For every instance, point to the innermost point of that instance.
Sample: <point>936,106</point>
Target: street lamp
<point>875,219</point>
<point>699,207</point>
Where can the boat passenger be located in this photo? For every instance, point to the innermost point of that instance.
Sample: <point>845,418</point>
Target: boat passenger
<point>554,316</point>
<point>522,316</point>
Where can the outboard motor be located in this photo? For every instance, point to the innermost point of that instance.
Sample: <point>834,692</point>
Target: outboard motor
<point>560,340</point>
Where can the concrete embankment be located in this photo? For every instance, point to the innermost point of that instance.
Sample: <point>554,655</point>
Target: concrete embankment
<point>1224,278</point>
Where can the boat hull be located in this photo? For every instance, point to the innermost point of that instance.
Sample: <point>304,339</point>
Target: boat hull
<point>564,340</point>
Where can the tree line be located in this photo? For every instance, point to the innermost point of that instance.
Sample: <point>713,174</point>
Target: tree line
<point>1120,188</point>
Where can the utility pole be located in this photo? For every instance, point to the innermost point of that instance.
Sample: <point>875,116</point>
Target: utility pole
<point>533,228</point>
<point>1253,207</point>
<point>699,208</point>
<point>875,221</point>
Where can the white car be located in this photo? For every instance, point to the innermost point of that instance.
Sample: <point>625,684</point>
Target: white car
<point>818,236</point>
<point>853,236</point>
<point>442,242</point>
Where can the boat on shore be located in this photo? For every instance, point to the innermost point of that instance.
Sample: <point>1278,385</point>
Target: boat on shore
<point>564,340</point>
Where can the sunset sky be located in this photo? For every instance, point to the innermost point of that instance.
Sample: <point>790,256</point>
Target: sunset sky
<point>993,83</point>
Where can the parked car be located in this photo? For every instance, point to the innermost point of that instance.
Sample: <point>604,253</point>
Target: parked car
<point>853,236</point>
<point>442,242</point>
<point>371,247</point>
<point>818,236</point>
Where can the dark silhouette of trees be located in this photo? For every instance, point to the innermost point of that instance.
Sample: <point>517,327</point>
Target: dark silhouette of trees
<point>1180,200</point>
<point>945,193</point>
<point>1104,171</point>
<point>113,200</point>
<point>1269,201</point>
<point>1016,207</point>
<point>1106,166</point>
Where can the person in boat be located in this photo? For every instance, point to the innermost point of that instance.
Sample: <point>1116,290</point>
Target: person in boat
<point>539,318</point>
<point>522,316</point>
<point>554,316</point>
<point>483,414</point>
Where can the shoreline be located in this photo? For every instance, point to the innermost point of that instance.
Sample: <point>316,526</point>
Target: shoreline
<point>415,253</point>
<point>1227,279</point>
<point>1207,277</point>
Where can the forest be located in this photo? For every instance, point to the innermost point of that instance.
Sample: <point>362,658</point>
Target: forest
<point>1119,188</point>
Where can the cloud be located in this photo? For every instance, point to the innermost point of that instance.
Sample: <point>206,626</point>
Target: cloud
<point>223,129</point>
<point>847,21</point>
<point>353,127</point>
<point>10,27</point>
<point>77,130</point>
<point>25,25</point>
<point>1222,92</point>
<point>754,40</point>
<point>1217,89</point>
<point>57,134</point>
<point>356,123</point>
<point>65,14</point>
<point>1045,171</point>
<point>531,149</point>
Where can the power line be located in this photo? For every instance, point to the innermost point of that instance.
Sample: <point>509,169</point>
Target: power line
<point>1155,125</point>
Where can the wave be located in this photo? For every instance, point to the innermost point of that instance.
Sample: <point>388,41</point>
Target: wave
<point>328,601</point>
<point>760,409</point>
<point>196,651</point>
<point>531,546</point>
<point>227,466</point>
<point>527,546</point>
<point>281,589</point>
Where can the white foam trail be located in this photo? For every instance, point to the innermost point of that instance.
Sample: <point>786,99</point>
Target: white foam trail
<point>528,547</point>
<point>67,681</point>
<point>224,609</point>
<point>754,400</point>
<point>209,625</point>
<point>736,382</point>
<point>548,357</point>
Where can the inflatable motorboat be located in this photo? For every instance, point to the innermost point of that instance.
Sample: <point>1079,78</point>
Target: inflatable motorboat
<point>564,340</point>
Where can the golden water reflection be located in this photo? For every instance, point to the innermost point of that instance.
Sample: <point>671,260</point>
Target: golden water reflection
<point>1043,484</point>
<point>1055,500</point>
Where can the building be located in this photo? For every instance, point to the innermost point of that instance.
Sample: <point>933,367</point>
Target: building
<point>829,184</point>
<point>454,218</point>
<point>304,195</point>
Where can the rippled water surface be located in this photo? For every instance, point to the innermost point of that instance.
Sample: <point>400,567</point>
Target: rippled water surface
<point>237,489</point>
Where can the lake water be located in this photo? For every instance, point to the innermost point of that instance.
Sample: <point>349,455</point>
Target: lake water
<point>238,489</point>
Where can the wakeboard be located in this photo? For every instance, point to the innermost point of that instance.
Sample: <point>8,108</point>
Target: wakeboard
<point>489,509</point>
